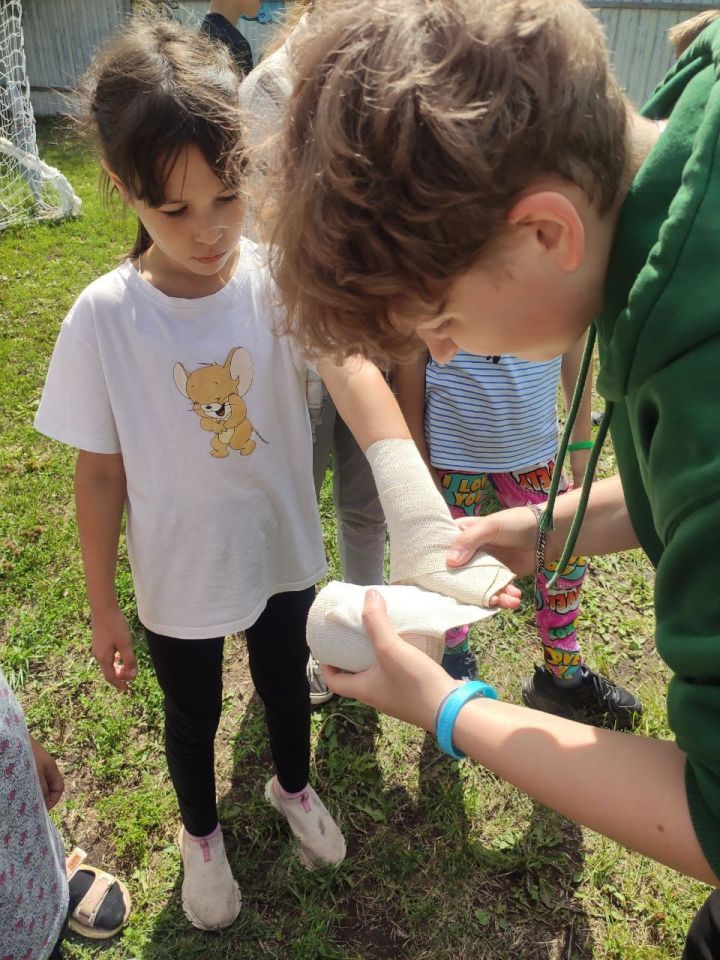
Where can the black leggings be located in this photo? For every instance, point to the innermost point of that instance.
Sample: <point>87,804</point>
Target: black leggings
<point>190,675</point>
<point>703,939</point>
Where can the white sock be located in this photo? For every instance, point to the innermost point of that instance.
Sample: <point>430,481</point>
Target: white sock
<point>335,633</point>
<point>421,529</point>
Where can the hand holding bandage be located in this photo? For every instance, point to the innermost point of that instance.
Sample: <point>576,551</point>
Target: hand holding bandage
<point>336,635</point>
<point>422,532</point>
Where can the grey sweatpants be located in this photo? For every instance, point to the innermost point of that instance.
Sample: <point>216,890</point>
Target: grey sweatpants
<point>360,518</point>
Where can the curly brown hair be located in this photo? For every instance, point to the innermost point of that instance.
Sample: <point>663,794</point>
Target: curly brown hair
<point>154,88</point>
<point>410,134</point>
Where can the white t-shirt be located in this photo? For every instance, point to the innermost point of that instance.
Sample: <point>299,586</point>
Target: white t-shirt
<point>490,414</point>
<point>221,510</point>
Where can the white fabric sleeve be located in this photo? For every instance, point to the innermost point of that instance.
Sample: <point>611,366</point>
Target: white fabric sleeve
<point>336,636</point>
<point>422,532</point>
<point>75,407</point>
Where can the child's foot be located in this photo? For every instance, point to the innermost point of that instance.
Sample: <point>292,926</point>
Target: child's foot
<point>210,895</point>
<point>319,691</point>
<point>458,659</point>
<point>320,841</point>
<point>595,699</point>
<point>460,664</point>
<point>99,904</point>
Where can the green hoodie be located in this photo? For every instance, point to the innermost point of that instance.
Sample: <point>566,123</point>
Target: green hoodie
<point>659,344</point>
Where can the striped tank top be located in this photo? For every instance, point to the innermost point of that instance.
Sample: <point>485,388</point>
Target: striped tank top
<point>491,414</point>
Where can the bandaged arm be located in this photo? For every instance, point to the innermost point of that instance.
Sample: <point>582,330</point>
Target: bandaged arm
<point>421,530</point>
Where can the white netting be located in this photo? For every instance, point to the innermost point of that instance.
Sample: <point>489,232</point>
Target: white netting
<point>29,188</point>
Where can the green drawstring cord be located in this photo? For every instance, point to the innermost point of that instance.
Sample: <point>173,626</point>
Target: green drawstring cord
<point>546,520</point>
<point>584,493</point>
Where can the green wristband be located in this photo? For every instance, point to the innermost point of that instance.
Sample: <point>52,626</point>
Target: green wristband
<point>581,445</point>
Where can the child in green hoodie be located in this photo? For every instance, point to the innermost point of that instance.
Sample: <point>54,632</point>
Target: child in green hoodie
<point>470,174</point>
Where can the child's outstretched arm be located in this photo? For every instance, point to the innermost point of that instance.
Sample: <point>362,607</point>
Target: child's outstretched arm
<point>100,492</point>
<point>627,787</point>
<point>569,372</point>
<point>511,535</point>
<point>413,506</point>
<point>364,401</point>
<point>410,392</point>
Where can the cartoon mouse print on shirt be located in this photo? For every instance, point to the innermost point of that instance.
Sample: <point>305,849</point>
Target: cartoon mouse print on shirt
<point>216,391</point>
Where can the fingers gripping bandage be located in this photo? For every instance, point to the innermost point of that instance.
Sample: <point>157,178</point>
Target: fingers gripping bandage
<point>421,531</point>
<point>335,632</point>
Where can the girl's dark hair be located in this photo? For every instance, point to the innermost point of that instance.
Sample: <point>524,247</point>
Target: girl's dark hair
<point>153,89</point>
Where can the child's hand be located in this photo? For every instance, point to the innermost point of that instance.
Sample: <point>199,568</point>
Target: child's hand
<point>403,682</point>
<point>112,648</point>
<point>508,598</point>
<point>51,781</point>
<point>508,535</point>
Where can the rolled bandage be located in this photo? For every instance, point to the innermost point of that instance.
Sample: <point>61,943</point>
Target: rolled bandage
<point>335,632</point>
<point>422,532</point>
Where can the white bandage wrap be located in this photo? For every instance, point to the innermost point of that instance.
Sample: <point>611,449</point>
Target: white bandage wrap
<point>335,632</point>
<point>421,529</point>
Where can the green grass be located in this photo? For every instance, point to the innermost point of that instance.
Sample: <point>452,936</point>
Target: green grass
<point>445,861</point>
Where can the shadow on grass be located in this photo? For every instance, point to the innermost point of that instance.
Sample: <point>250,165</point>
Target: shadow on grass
<point>514,900</point>
<point>419,881</point>
<point>545,886</point>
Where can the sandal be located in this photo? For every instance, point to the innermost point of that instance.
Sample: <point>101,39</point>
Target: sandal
<point>99,903</point>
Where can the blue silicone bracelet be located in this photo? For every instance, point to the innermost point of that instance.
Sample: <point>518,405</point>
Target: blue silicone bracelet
<point>451,706</point>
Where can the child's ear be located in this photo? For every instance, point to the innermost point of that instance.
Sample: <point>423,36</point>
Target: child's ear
<point>116,181</point>
<point>555,223</point>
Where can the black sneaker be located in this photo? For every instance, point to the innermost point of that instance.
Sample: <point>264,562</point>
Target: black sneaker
<point>319,691</point>
<point>460,666</point>
<point>595,700</point>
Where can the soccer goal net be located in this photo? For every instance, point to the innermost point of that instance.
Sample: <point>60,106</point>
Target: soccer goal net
<point>29,188</point>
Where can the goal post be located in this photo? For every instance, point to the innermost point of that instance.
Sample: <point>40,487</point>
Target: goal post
<point>29,188</point>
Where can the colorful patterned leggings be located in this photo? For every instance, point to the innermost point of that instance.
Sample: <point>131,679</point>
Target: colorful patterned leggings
<point>556,610</point>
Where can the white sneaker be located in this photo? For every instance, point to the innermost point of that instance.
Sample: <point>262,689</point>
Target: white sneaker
<point>321,843</point>
<point>319,690</point>
<point>210,895</point>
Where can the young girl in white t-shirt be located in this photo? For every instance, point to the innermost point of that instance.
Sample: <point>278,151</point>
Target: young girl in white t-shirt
<point>189,413</point>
